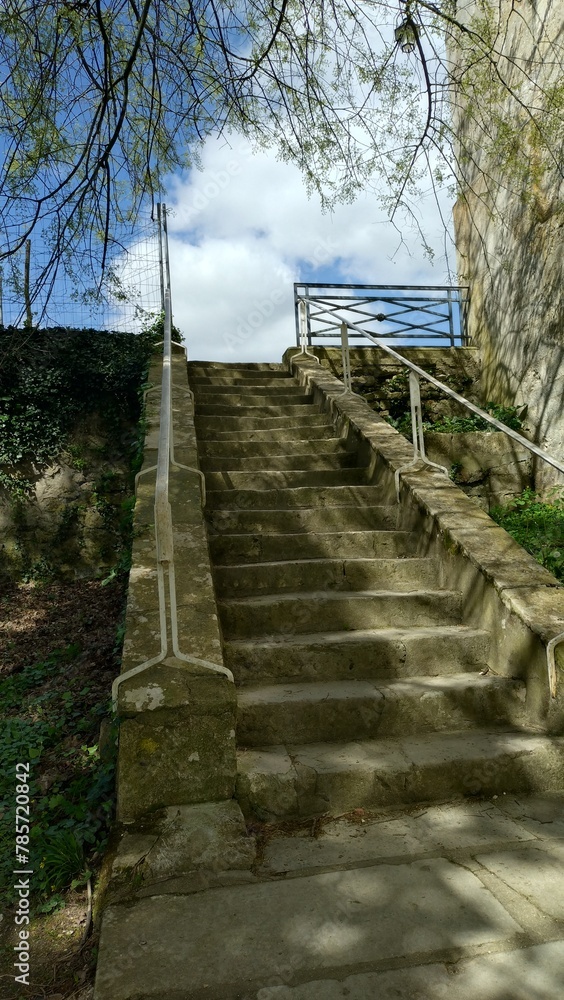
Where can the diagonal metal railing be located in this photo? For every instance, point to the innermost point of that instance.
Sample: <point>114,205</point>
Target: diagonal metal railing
<point>418,436</point>
<point>426,315</point>
<point>164,540</point>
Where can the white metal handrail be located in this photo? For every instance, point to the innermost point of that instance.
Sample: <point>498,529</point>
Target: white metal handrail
<point>460,399</point>
<point>163,519</point>
<point>418,435</point>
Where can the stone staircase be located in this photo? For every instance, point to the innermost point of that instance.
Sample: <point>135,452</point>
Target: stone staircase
<point>359,683</point>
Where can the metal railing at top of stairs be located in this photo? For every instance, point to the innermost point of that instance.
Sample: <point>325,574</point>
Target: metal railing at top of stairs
<point>430,315</point>
<point>168,618</point>
<point>418,436</point>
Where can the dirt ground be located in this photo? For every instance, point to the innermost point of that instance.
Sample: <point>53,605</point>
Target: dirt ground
<point>35,620</point>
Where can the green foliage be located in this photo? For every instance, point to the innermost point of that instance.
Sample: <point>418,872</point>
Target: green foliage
<point>50,715</point>
<point>538,525</point>
<point>462,425</point>
<point>63,862</point>
<point>48,719</point>
<point>46,385</point>
<point>325,83</point>
<point>154,328</point>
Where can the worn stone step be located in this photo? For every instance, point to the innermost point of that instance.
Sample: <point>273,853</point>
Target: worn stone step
<point>326,574</point>
<point>308,780</point>
<point>287,479</point>
<point>319,526</point>
<point>249,402</point>
<point>238,410</point>
<point>298,496</point>
<point>288,614</point>
<point>337,711</point>
<point>381,653</point>
<point>210,433</point>
<point>309,423</point>
<point>241,548</point>
<point>299,461</point>
<point>231,392</point>
<point>234,369</point>
<point>241,447</point>
<point>244,382</point>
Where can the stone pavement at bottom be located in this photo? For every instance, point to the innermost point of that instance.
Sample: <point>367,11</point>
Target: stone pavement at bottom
<point>461,901</point>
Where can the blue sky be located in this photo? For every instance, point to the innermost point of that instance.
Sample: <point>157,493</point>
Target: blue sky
<point>242,230</point>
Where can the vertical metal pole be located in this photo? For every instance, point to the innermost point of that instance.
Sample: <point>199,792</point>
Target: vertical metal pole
<point>345,354</point>
<point>450,317</point>
<point>28,314</point>
<point>166,256</point>
<point>297,315</point>
<point>302,331</point>
<point>1,299</point>
<point>161,270</point>
<point>464,305</point>
<point>303,327</point>
<point>416,415</point>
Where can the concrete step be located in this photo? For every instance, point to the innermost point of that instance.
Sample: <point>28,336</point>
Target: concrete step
<point>241,548</point>
<point>326,574</point>
<point>241,447</point>
<point>298,496</point>
<point>242,402</point>
<point>319,526</point>
<point>285,437</point>
<point>237,410</point>
<point>308,461</point>
<point>309,780</point>
<point>288,479</point>
<point>277,387</point>
<point>236,369</point>
<point>458,901</point>
<point>382,653</point>
<point>242,381</point>
<point>309,423</point>
<point>292,614</point>
<point>338,711</point>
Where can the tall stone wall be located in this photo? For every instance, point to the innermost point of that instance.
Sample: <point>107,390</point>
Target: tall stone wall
<point>509,217</point>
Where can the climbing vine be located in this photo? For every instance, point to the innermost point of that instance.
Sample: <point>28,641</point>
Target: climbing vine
<point>52,378</point>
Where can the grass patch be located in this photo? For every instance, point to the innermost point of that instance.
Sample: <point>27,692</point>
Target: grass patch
<point>537,523</point>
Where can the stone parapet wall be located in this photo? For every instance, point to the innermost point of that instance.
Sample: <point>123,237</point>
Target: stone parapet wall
<point>504,589</point>
<point>177,731</point>
<point>492,469</point>
<point>489,467</point>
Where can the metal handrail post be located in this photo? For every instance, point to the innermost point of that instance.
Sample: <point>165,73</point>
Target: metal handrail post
<point>346,356</point>
<point>450,319</point>
<point>417,433</point>
<point>303,328</point>
<point>559,466</point>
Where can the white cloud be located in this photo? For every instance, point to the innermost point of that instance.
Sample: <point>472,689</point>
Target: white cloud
<point>243,229</point>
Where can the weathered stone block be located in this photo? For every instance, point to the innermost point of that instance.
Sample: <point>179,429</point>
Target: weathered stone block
<point>177,739</point>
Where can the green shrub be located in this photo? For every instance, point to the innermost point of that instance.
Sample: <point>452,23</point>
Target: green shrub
<point>49,381</point>
<point>462,425</point>
<point>538,525</point>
